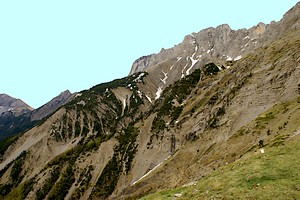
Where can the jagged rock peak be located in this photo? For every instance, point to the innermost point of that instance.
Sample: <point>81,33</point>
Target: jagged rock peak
<point>64,94</point>
<point>222,42</point>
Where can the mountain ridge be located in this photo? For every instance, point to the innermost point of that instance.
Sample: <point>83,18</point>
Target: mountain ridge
<point>234,44</point>
<point>12,123</point>
<point>190,112</point>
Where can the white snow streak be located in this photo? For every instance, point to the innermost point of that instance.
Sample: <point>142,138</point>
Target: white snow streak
<point>124,106</point>
<point>124,103</point>
<point>158,93</point>
<point>150,171</point>
<point>229,58</point>
<point>149,99</point>
<point>194,61</point>
<point>164,80</point>
<point>138,79</point>
<point>238,58</point>
<point>182,72</point>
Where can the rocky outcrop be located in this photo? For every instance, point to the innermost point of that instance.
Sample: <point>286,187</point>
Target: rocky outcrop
<point>141,63</point>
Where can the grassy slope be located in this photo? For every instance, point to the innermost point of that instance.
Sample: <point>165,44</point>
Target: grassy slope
<point>272,175</point>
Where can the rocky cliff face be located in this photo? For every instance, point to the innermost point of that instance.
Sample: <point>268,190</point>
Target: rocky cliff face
<point>194,108</point>
<point>221,45</point>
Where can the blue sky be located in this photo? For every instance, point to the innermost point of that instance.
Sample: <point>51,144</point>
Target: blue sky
<point>48,46</point>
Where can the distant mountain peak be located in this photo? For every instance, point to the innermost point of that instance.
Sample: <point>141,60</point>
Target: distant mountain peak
<point>52,105</point>
<point>13,105</point>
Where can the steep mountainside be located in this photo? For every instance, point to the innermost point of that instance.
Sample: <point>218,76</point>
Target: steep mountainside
<point>181,114</point>
<point>18,116</point>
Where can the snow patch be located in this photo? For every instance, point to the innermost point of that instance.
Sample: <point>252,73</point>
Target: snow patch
<point>124,104</point>
<point>229,58</point>
<point>194,61</point>
<point>151,171</point>
<point>149,99</point>
<point>158,93</point>
<point>182,72</point>
<point>178,59</point>
<point>238,58</point>
<point>139,78</point>
<point>164,80</point>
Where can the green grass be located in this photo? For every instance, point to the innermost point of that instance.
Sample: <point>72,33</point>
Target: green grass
<point>273,175</point>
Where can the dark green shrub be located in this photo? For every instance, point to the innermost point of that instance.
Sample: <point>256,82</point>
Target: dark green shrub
<point>49,183</point>
<point>211,69</point>
<point>16,170</point>
<point>61,188</point>
<point>5,189</point>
